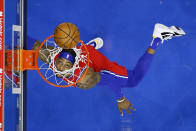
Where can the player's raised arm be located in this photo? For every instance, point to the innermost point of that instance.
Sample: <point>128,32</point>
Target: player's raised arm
<point>160,34</point>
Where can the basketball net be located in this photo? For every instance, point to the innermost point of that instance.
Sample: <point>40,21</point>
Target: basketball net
<point>48,70</point>
<point>49,50</point>
<point>21,60</point>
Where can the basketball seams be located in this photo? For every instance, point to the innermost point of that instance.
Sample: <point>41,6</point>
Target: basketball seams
<point>63,32</point>
<point>66,42</point>
<point>65,37</point>
<point>73,38</point>
<point>59,28</point>
<point>60,37</point>
<point>69,29</point>
<point>76,37</point>
<point>66,33</point>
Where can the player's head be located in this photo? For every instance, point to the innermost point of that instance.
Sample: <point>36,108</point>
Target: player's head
<point>65,59</point>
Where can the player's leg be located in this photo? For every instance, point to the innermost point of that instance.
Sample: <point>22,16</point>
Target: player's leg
<point>160,34</point>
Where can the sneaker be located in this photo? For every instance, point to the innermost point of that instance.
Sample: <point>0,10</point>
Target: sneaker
<point>97,43</point>
<point>163,32</point>
<point>177,31</point>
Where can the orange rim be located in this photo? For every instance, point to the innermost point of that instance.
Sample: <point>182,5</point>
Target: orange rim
<point>68,84</point>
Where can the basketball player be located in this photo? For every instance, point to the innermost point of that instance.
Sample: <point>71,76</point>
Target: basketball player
<point>104,72</point>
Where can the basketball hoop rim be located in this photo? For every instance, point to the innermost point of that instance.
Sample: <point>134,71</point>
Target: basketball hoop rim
<point>63,86</point>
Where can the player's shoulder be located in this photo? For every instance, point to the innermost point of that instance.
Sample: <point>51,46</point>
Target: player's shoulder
<point>88,47</point>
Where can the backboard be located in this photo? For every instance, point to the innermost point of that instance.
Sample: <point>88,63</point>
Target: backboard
<point>13,77</point>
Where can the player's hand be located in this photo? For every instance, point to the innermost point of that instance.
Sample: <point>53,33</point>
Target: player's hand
<point>124,104</point>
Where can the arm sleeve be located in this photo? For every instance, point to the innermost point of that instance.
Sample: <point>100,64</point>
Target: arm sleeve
<point>113,83</point>
<point>137,74</point>
<point>117,91</point>
<point>134,76</point>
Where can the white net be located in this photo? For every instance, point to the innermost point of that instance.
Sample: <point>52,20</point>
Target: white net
<point>48,68</point>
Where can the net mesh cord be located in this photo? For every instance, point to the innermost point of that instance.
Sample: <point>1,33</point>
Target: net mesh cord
<point>50,64</point>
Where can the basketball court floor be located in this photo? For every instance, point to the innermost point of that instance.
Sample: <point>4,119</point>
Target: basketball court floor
<point>164,100</point>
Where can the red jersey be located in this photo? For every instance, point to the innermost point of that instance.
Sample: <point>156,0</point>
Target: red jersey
<point>99,62</point>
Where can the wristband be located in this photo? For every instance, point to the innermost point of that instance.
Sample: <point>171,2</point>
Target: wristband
<point>121,100</point>
<point>151,51</point>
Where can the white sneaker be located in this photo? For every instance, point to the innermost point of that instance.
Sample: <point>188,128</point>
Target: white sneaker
<point>177,31</point>
<point>162,32</point>
<point>97,43</point>
<point>165,33</point>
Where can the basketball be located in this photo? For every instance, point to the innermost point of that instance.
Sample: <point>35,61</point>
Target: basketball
<point>66,35</point>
